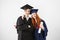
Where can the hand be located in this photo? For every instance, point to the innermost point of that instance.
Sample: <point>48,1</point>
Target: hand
<point>30,16</point>
<point>23,17</point>
<point>35,20</point>
<point>39,31</point>
<point>41,26</point>
<point>29,26</point>
<point>15,26</point>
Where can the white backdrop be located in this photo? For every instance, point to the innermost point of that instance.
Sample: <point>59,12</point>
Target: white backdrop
<point>49,10</point>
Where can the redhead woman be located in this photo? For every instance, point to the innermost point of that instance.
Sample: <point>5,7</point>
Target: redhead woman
<point>40,26</point>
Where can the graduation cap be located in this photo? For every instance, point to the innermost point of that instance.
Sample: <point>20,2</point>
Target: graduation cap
<point>26,7</point>
<point>33,11</point>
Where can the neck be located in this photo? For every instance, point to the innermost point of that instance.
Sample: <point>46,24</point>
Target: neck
<point>26,15</point>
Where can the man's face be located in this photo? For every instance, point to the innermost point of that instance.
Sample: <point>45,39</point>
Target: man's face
<point>27,11</point>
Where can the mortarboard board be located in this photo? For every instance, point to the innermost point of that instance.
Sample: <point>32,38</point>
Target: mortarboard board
<point>33,11</point>
<point>26,7</point>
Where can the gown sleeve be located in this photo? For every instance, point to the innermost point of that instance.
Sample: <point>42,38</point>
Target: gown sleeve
<point>44,32</point>
<point>20,25</point>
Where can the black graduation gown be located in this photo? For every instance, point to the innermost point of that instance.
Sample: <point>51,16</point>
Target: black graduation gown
<point>24,32</point>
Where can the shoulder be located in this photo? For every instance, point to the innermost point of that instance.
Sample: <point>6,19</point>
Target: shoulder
<point>42,20</point>
<point>20,17</point>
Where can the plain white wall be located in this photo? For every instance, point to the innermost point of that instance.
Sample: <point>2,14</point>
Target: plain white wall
<point>49,10</point>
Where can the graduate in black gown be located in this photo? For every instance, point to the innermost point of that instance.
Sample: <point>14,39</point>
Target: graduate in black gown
<point>40,26</point>
<point>24,25</point>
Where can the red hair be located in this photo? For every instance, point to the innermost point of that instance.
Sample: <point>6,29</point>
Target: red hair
<point>38,21</point>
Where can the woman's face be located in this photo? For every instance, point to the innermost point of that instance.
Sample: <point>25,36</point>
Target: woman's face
<point>34,15</point>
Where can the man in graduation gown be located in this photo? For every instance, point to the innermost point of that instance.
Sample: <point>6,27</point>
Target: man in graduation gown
<point>24,25</point>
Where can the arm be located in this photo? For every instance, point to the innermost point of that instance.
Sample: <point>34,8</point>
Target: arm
<point>20,25</point>
<point>41,26</point>
<point>44,32</point>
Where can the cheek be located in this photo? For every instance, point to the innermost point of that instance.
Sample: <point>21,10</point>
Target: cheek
<point>33,16</point>
<point>28,11</point>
